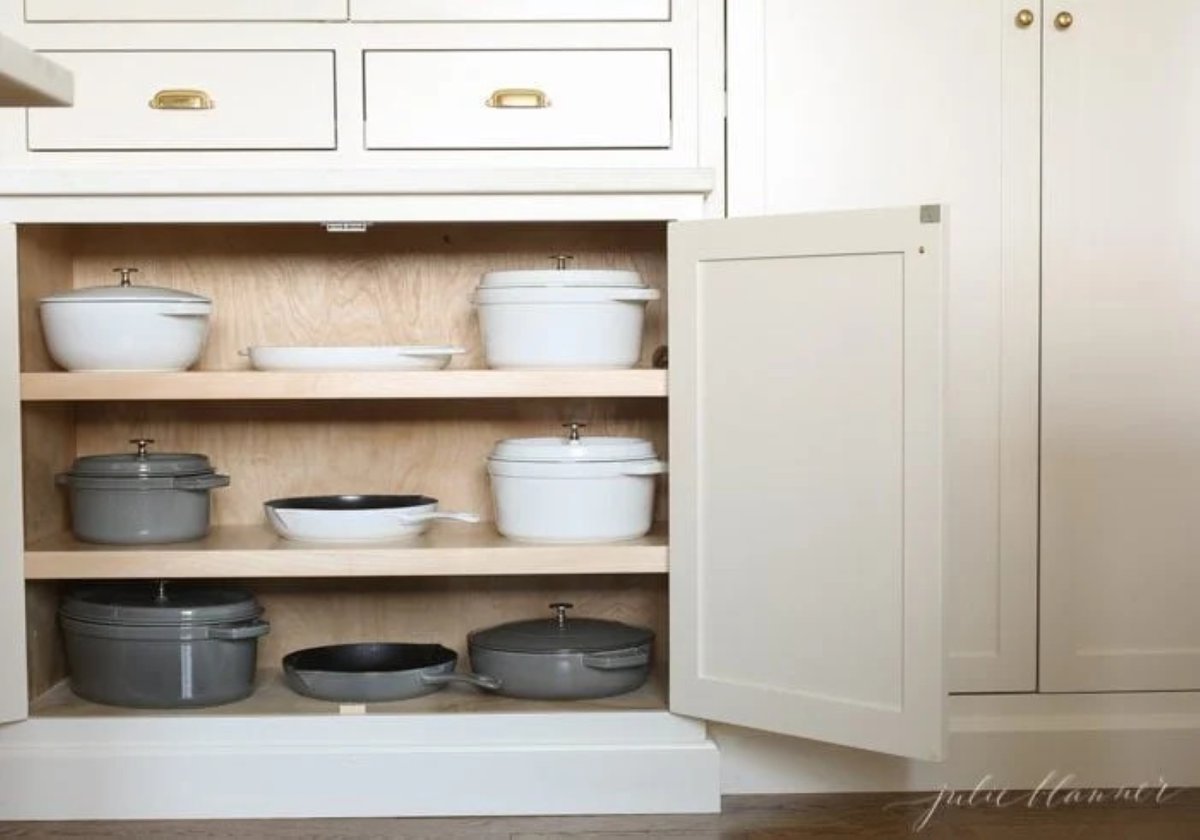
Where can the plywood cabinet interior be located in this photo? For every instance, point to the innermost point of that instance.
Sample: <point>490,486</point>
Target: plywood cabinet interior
<point>300,284</point>
<point>838,105</point>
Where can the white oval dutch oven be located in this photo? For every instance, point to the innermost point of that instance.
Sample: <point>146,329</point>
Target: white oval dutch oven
<point>574,489</point>
<point>125,327</point>
<point>563,318</point>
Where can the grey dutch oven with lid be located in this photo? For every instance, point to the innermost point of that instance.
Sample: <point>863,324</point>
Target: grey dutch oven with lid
<point>141,497</point>
<point>563,658</point>
<point>159,646</point>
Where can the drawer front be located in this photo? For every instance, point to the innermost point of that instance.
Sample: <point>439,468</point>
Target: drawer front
<point>66,11</point>
<point>509,10</point>
<point>259,100</point>
<point>593,99</point>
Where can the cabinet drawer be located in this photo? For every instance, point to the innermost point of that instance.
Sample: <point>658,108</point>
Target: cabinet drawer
<point>556,99</point>
<point>68,11</point>
<point>509,10</point>
<point>259,100</point>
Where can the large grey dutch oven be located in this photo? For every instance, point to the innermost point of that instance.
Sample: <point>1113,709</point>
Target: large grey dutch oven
<point>159,646</point>
<point>562,658</point>
<point>141,497</point>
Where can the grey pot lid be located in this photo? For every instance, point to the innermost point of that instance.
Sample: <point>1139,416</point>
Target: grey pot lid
<point>561,633</point>
<point>127,294</point>
<point>145,604</point>
<point>140,464</point>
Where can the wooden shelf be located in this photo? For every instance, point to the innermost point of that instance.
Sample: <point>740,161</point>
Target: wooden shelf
<point>259,385</point>
<point>273,697</point>
<point>254,551</point>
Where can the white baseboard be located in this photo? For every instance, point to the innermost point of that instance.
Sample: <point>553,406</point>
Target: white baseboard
<point>1004,741</point>
<point>454,765</point>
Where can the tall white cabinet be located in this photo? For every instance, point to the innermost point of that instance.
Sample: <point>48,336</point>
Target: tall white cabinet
<point>1062,137</point>
<point>1121,348</point>
<point>878,102</point>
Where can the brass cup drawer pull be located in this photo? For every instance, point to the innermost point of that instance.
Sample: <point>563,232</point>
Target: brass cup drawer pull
<point>518,98</point>
<point>182,99</point>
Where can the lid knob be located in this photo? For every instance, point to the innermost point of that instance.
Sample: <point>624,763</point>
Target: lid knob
<point>561,260</point>
<point>126,275</point>
<point>141,444</point>
<point>560,612</point>
<point>574,427</point>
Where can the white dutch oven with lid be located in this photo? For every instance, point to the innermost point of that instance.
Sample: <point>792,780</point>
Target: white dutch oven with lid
<point>562,318</point>
<point>574,489</point>
<point>125,327</point>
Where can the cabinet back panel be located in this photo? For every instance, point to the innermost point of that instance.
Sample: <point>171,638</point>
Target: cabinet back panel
<point>443,610</point>
<point>45,266</point>
<point>298,284</point>
<point>434,447</point>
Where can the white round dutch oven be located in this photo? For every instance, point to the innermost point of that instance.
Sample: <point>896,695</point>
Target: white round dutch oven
<point>562,318</point>
<point>574,489</point>
<point>125,327</point>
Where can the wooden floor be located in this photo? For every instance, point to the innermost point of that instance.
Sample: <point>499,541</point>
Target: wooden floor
<point>745,818</point>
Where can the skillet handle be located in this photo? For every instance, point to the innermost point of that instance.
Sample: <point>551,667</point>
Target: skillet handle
<point>477,680</point>
<point>415,518</point>
<point>618,660</point>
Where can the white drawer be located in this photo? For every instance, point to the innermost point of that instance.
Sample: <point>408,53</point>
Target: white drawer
<point>509,10</point>
<point>450,99</point>
<point>260,100</point>
<point>182,10</point>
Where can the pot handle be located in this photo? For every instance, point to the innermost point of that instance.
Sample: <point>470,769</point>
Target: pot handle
<point>182,312</point>
<point>618,660</point>
<point>200,482</point>
<point>241,632</point>
<point>635,294</point>
<point>477,680</point>
<point>645,468</point>
<point>415,518</point>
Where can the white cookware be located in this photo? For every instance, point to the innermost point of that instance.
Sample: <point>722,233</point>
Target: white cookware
<point>356,518</point>
<point>574,489</point>
<point>562,318</point>
<point>407,357</point>
<point>125,327</point>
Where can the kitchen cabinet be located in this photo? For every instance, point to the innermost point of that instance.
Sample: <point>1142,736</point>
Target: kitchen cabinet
<point>835,500</point>
<point>1120,370</point>
<point>880,102</point>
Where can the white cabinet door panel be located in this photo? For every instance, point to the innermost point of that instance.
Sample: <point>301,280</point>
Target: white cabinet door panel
<point>806,526</point>
<point>874,103</point>
<point>74,11</point>
<point>13,701</point>
<point>1121,349</point>
<point>510,10</point>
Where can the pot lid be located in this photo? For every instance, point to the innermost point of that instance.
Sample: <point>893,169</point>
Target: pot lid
<point>561,634</point>
<point>126,292</point>
<point>559,277</point>
<point>140,464</point>
<point>159,603</point>
<point>573,448</point>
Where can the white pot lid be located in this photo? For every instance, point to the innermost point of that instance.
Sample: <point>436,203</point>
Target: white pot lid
<point>127,294</point>
<point>560,279</point>
<point>583,450</point>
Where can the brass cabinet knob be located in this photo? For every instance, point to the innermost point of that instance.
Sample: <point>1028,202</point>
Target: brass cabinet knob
<point>1024,18</point>
<point>1063,20</point>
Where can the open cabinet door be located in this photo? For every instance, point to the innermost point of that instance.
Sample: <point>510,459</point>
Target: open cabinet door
<point>13,702</point>
<point>806,511</point>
